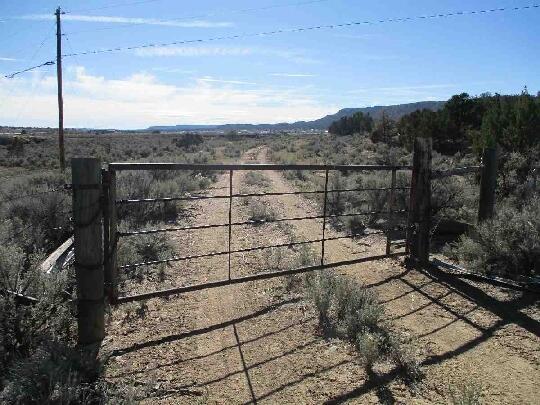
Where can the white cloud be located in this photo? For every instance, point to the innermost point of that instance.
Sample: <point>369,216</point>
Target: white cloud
<point>8,59</point>
<point>173,70</point>
<point>141,100</point>
<point>292,75</point>
<point>192,51</point>
<point>211,79</point>
<point>388,95</point>
<point>132,20</point>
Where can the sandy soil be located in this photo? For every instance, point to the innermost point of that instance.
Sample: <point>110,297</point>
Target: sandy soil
<point>258,342</point>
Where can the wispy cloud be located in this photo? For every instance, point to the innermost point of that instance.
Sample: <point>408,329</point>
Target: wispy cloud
<point>193,51</point>
<point>292,75</point>
<point>209,79</point>
<point>8,59</point>
<point>133,20</point>
<point>173,70</point>
<point>187,51</point>
<point>386,95</point>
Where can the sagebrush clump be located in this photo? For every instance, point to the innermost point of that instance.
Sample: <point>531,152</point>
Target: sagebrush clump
<point>351,312</point>
<point>260,212</point>
<point>507,245</point>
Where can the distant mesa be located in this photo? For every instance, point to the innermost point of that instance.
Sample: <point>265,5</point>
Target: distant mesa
<point>392,111</point>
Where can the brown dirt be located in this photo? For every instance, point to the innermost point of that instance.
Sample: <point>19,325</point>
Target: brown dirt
<point>257,342</point>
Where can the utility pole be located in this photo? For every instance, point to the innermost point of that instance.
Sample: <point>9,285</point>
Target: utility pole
<point>60,97</point>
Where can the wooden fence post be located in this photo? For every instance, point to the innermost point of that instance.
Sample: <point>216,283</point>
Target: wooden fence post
<point>87,214</point>
<point>111,266</point>
<point>488,184</point>
<point>420,202</point>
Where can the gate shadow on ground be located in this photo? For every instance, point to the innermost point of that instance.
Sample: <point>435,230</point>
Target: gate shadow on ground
<point>215,352</point>
<point>201,331</point>
<point>507,311</point>
<point>244,365</point>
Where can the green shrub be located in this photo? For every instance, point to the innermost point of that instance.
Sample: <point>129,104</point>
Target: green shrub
<point>40,222</point>
<point>320,287</point>
<point>336,203</point>
<point>156,184</point>
<point>508,245</point>
<point>350,312</point>
<point>369,345</point>
<point>143,248</point>
<point>354,225</point>
<point>515,175</point>
<point>34,339</point>
<point>259,211</point>
<point>455,198</point>
<point>360,312</point>
<point>188,140</point>
<point>257,179</point>
<point>274,258</point>
<point>403,354</point>
<point>304,257</point>
<point>53,373</point>
<point>468,393</point>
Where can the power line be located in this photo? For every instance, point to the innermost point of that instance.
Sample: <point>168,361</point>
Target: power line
<point>12,75</point>
<point>312,28</point>
<point>296,30</point>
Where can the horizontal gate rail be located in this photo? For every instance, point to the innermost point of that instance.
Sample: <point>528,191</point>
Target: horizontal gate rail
<point>245,250</point>
<point>254,277</point>
<point>252,222</point>
<point>179,229</point>
<point>228,167</point>
<point>210,197</point>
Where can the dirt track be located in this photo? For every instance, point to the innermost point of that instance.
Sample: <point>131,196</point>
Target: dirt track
<point>258,343</point>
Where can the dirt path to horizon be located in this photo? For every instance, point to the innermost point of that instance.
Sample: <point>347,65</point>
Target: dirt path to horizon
<point>258,342</point>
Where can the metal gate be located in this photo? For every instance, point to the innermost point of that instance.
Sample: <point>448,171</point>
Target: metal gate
<point>96,233</point>
<point>112,235</point>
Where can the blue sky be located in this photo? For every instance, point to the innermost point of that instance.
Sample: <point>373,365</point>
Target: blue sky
<point>277,78</point>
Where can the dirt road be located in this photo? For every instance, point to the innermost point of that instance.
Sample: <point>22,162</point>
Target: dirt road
<point>258,342</point>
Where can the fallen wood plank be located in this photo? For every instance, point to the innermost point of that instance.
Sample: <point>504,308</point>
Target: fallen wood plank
<point>50,263</point>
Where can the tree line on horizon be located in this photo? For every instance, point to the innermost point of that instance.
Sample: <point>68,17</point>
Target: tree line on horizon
<point>465,122</point>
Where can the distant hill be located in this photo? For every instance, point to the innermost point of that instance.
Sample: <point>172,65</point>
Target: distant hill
<point>393,111</point>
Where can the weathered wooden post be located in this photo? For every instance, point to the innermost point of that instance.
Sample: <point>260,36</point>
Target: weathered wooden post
<point>111,267</point>
<point>420,202</point>
<point>488,184</point>
<point>87,214</point>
